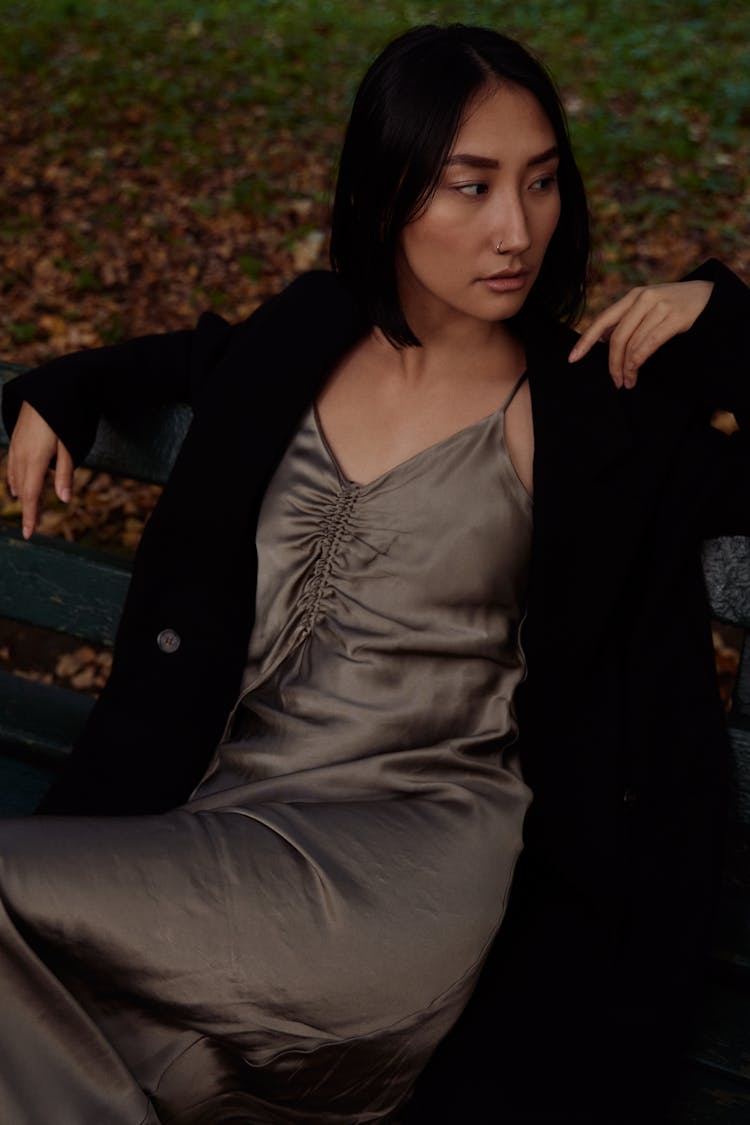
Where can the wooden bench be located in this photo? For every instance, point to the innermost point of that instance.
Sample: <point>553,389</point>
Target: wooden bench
<point>59,586</point>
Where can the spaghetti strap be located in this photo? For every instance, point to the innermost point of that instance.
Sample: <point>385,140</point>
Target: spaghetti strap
<point>512,394</point>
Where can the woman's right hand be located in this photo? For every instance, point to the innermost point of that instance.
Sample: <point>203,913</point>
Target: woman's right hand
<point>32,448</point>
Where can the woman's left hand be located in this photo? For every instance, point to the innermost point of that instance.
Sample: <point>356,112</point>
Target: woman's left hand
<point>640,322</point>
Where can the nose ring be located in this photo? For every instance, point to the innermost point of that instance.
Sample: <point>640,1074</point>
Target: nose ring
<point>499,248</point>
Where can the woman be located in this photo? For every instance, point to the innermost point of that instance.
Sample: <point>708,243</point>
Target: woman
<point>290,943</point>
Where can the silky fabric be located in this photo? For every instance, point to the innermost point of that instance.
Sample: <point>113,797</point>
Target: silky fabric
<point>291,945</point>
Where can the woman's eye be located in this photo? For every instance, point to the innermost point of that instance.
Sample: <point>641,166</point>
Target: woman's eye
<point>544,182</point>
<point>472,189</point>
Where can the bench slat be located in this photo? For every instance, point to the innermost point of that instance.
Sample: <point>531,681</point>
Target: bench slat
<point>22,785</point>
<point>39,721</point>
<point>53,584</point>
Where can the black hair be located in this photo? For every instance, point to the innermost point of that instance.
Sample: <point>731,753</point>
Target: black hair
<point>405,117</point>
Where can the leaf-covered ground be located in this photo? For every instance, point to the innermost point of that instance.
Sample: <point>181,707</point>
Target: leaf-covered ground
<point>157,159</point>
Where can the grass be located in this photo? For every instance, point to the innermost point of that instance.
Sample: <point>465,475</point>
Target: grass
<point>644,80</point>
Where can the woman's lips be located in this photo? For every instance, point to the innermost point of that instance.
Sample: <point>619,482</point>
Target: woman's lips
<point>505,282</point>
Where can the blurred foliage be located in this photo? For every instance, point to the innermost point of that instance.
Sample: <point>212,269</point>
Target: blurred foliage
<point>644,77</point>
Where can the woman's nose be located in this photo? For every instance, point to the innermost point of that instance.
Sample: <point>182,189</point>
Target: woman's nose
<point>510,228</point>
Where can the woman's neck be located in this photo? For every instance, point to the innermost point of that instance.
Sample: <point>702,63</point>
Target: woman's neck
<point>452,350</point>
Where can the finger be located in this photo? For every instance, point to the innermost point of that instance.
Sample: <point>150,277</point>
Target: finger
<point>11,477</point>
<point>15,471</point>
<point>602,325</point>
<point>653,331</point>
<point>625,331</point>
<point>30,491</point>
<point>675,310</point>
<point>32,447</point>
<point>63,474</point>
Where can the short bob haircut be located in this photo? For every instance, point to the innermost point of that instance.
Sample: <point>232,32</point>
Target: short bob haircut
<point>405,118</point>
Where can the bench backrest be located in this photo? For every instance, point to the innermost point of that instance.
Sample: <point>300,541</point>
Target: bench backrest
<point>70,589</point>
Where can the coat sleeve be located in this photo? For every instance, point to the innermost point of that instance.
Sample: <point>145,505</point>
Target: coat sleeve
<point>718,356</point>
<point>717,347</point>
<point>723,352</point>
<point>118,382</point>
<point>123,381</point>
<point>729,510</point>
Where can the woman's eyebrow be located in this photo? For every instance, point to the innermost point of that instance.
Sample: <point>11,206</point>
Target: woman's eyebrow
<point>543,157</point>
<point>471,161</point>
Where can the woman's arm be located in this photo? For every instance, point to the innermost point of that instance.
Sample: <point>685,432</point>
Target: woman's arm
<point>74,391</point>
<point>53,411</point>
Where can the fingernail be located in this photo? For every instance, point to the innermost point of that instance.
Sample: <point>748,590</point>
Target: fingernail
<point>65,495</point>
<point>27,530</point>
<point>574,353</point>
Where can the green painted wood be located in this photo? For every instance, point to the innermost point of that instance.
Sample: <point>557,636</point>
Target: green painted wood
<point>22,785</point>
<point>144,449</point>
<point>57,585</point>
<point>38,722</point>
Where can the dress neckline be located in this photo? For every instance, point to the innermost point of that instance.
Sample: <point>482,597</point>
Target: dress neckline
<point>408,462</point>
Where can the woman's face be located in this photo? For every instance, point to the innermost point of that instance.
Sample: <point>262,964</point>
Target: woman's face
<point>498,186</point>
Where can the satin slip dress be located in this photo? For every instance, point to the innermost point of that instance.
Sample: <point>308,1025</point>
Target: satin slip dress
<point>291,945</point>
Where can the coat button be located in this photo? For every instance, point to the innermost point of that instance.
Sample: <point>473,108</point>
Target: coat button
<point>168,641</point>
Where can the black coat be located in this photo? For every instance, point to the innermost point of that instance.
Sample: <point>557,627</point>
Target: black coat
<point>622,734</point>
